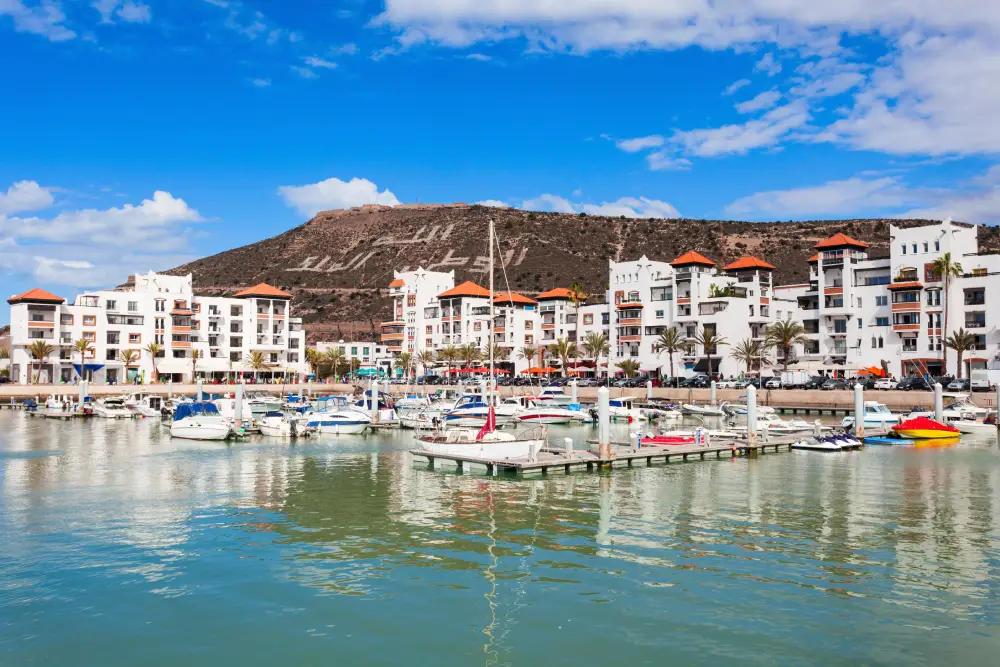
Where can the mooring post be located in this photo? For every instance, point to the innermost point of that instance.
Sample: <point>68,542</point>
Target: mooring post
<point>751,416</point>
<point>859,410</point>
<point>604,423</point>
<point>301,386</point>
<point>170,389</point>
<point>938,402</point>
<point>238,405</point>
<point>568,444</point>
<point>715,392</point>
<point>199,385</point>
<point>573,393</point>
<point>649,390</point>
<point>83,393</point>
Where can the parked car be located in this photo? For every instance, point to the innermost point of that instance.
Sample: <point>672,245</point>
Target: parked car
<point>772,383</point>
<point>866,381</point>
<point>834,383</point>
<point>911,383</point>
<point>815,382</point>
<point>959,385</point>
<point>885,383</point>
<point>697,382</point>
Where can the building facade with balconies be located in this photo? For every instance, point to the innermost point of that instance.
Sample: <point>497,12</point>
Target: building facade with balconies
<point>161,309</point>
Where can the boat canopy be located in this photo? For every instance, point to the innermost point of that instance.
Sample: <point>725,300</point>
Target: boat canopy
<point>185,410</point>
<point>90,368</point>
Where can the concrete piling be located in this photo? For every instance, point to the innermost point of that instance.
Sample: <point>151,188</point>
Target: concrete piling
<point>859,411</point>
<point>649,390</point>
<point>751,415</point>
<point>199,392</point>
<point>938,402</point>
<point>715,393</point>
<point>238,406</point>
<point>604,422</point>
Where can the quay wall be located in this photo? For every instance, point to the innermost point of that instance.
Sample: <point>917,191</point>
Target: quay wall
<point>840,399</point>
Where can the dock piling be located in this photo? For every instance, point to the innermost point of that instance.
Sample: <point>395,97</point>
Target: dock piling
<point>751,415</point>
<point>575,398</point>
<point>649,390</point>
<point>604,422</point>
<point>238,405</point>
<point>938,402</point>
<point>715,393</point>
<point>859,410</point>
<point>199,390</point>
<point>568,444</point>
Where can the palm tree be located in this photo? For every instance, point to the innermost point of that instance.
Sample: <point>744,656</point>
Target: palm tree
<point>449,354</point>
<point>83,347</point>
<point>195,356</point>
<point>129,358</point>
<point>153,350</point>
<point>528,353</point>
<point>783,335</point>
<point>595,345</point>
<point>709,340</point>
<point>564,348</point>
<point>404,362</point>
<point>628,366</point>
<point>751,352</point>
<point>578,298</point>
<point>258,362</point>
<point>334,359</point>
<point>961,341</point>
<point>469,353</point>
<point>4,353</point>
<point>38,351</point>
<point>945,269</point>
<point>500,353</point>
<point>670,341</point>
<point>314,359</point>
<point>425,358</point>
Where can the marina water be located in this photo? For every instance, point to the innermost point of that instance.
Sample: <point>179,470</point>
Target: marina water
<point>123,547</point>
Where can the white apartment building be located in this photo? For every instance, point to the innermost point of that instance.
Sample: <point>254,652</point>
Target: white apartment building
<point>155,308</point>
<point>372,358</point>
<point>689,294</point>
<point>861,312</point>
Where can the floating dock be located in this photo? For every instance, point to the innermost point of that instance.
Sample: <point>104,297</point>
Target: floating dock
<point>549,460</point>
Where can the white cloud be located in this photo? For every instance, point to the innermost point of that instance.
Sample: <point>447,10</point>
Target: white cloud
<point>92,247</point>
<point>45,19</point>
<point>316,61</point>
<point>479,56</point>
<point>662,161</point>
<point>25,196</point>
<point>334,193</point>
<point>344,50</point>
<point>768,65</point>
<point>493,203</point>
<point>852,195</point>
<point>739,139</point>
<point>764,100</point>
<point>640,143</point>
<point>125,10</point>
<point>304,72</point>
<point>260,83</point>
<point>630,207</point>
<point>736,85</point>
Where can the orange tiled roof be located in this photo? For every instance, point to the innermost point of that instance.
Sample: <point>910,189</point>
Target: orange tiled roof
<point>264,290</point>
<point>692,257</point>
<point>468,288</point>
<point>749,262</point>
<point>513,297</point>
<point>398,282</point>
<point>557,293</point>
<point>37,295</point>
<point>840,241</point>
<point>814,258</point>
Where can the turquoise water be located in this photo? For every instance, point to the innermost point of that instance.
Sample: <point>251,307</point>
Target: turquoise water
<point>122,547</point>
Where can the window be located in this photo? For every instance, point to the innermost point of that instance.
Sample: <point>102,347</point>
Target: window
<point>65,319</point>
<point>529,324</point>
<point>195,307</point>
<point>840,326</point>
<point>236,341</point>
<point>234,356</point>
<point>293,358</point>
<point>904,248</point>
<point>354,351</point>
<point>274,357</point>
<point>881,343</point>
<point>111,305</point>
<point>134,338</point>
<point>158,323</point>
<point>179,354</point>
<point>659,314</point>
<point>158,339</point>
<point>429,329</point>
<point>934,298</point>
<point>236,311</point>
<point>90,320</point>
<point>937,246</point>
<point>477,326</point>
<point>860,324</point>
<point>411,300</point>
<point>914,248</point>
<point>859,302</point>
<point>112,338</point>
<point>111,355</point>
<point>161,306</point>
<point>882,300</point>
<point>529,340</point>
<point>881,321</point>
<point>133,306</point>
<point>587,319</point>
<point>926,246</point>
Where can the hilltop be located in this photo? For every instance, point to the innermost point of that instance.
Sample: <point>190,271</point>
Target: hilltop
<point>339,264</point>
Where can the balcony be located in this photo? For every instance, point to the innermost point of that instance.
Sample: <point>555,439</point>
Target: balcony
<point>630,339</point>
<point>906,307</point>
<point>630,321</point>
<point>976,324</point>
<point>902,328</point>
<point>393,323</point>
<point>180,344</point>
<point>393,336</point>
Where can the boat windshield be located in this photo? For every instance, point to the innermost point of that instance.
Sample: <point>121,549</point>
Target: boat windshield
<point>877,408</point>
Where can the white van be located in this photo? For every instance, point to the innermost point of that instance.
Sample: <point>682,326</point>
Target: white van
<point>983,380</point>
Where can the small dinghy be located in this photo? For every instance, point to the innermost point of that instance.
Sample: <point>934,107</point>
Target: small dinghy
<point>924,428</point>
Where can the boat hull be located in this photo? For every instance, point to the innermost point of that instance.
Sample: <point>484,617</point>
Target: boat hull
<point>198,429</point>
<point>489,450</point>
<point>926,434</point>
<point>975,428</point>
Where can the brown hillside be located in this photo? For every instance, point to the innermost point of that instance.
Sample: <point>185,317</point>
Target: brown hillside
<point>339,263</point>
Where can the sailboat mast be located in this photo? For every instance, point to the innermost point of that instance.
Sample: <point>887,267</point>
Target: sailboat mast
<point>492,301</point>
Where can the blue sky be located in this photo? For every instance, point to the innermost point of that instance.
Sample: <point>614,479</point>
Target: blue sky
<point>140,134</point>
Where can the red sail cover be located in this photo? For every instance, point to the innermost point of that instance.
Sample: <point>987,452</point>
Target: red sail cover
<point>489,426</point>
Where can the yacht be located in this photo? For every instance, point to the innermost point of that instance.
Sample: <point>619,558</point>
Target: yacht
<point>199,421</point>
<point>960,407</point>
<point>876,415</point>
<point>554,396</point>
<point>527,409</point>
<point>775,425</point>
<point>702,410</point>
<point>385,411</point>
<point>149,406</point>
<point>112,408</point>
<point>260,403</point>
<point>472,410</point>
<point>338,421</point>
<point>280,425</point>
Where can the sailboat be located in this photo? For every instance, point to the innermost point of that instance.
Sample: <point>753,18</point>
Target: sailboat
<point>487,443</point>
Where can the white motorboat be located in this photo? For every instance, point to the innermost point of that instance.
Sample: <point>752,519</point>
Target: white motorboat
<point>60,403</point>
<point>741,409</point>
<point>492,446</point>
<point>338,422</point>
<point>385,410</point>
<point>280,425</point>
<point>775,425</point>
<point>472,410</point>
<point>112,408</point>
<point>961,407</point>
<point>623,409</point>
<point>702,410</point>
<point>426,418</point>
<point>412,402</point>
<point>976,428</point>
<point>260,403</point>
<point>199,421</point>
<point>876,414</point>
<point>554,396</point>
<point>149,406</point>
<point>531,411</point>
